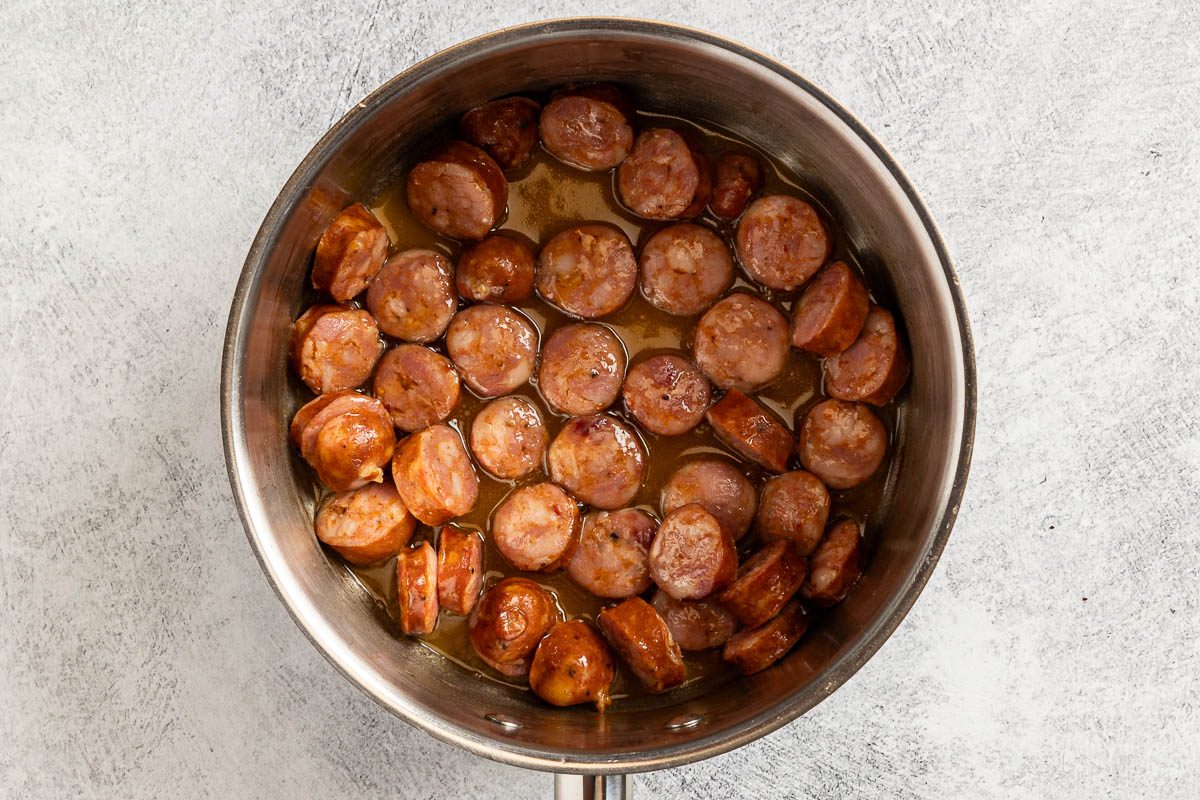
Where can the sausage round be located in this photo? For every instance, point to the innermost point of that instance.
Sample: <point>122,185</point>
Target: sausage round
<point>841,443</point>
<point>498,269</point>
<point>350,252</point>
<point>508,622</point>
<point>611,558</point>
<point>750,430</point>
<point>691,557</point>
<point>781,241</point>
<point>506,129</point>
<point>459,191</point>
<point>755,649</point>
<point>741,342</point>
<point>830,314</point>
<point>835,566</point>
<point>573,665</point>
<point>365,525</point>
<point>793,509</point>
<point>413,296</point>
<point>685,267</point>
<point>588,271</point>
<point>493,347</point>
<point>874,368</point>
<point>335,347</point>
<point>535,526</point>
<point>642,639</point>
<point>347,439</point>
<point>459,569</point>
<point>509,438</point>
<point>667,395</point>
<point>434,475</point>
<point>695,624</point>
<point>313,415</point>
<point>417,589</point>
<point>418,386</point>
<point>765,583</point>
<point>738,178</point>
<point>582,368</point>
<point>590,127</point>
<point>666,176</point>
<point>719,487</point>
<point>598,459</point>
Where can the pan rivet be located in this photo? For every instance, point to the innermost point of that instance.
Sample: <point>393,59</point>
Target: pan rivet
<point>685,721</point>
<point>504,721</point>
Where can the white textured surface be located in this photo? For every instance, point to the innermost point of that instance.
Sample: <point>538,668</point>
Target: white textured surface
<point>1055,650</point>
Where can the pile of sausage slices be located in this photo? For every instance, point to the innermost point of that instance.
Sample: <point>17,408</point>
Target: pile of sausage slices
<point>455,324</point>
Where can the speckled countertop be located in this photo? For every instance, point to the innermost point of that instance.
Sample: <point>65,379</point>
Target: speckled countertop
<point>1054,653</point>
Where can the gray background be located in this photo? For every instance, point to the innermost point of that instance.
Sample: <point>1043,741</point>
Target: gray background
<point>1055,651</point>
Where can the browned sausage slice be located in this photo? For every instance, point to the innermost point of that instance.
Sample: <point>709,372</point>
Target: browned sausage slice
<point>587,271</point>
<point>756,649</point>
<point>508,622</point>
<point>573,665</point>
<point>738,178</point>
<point>535,526</point>
<point>418,386</point>
<point>719,487</point>
<point>506,128</point>
<point>781,241</point>
<point>350,252</point>
<point>459,569</point>
<point>841,443</point>
<point>741,342</point>
<point>695,624</point>
<point>612,556</point>
<point>685,267</point>
<point>413,296</point>
<point>459,191</point>
<point>347,439</point>
<point>830,314</point>
<point>498,269</point>
<point>874,368</point>
<point>642,639</point>
<point>313,415</point>
<point>493,347</point>
<point>667,395</point>
<point>750,430</point>
<point>590,127</point>
<point>434,475</point>
<point>835,566</point>
<point>335,347</point>
<point>793,509</point>
<point>582,369</point>
<point>598,459</point>
<point>417,589</point>
<point>509,438</point>
<point>666,176</point>
<point>365,525</point>
<point>764,584</point>
<point>691,557</point>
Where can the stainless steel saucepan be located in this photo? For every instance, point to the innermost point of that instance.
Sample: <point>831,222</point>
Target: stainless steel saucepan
<point>668,68</point>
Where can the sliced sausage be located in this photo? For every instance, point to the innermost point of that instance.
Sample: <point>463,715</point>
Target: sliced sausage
<point>695,624</point>
<point>793,509</point>
<point>590,127</point>
<point>765,583</point>
<point>874,368</point>
<point>719,487</point>
<point>493,347</point>
<point>459,191</point>
<point>509,438</point>
<point>598,459</point>
<point>417,589</point>
<point>573,665</point>
<point>588,271</point>
<point>350,252</point>
<point>582,369</point>
<point>667,395</point>
<point>365,525</point>
<point>642,639</point>
<point>685,267</point>
<point>335,347</point>
<point>841,443</point>
<point>347,439</point>
<point>781,241</point>
<point>741,342</point>
<point>666,176</point>
<point>506,128</point>
<point>315,414</point>
<point>748,428</point>
<point>535,526</point>
<point>508,622</point>
<point>612,557</point>
<point>835,566</point>
<point>418,386</point>
<point>691,557</point>
<point>434,475</point>
<point>498,269</point>
<point>756,649</point>
<point>738,177</point>
<point>459,569</point>
<point>413,296</point>
<point>830,314</point>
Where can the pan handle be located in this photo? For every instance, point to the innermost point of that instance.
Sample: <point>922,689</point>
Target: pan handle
<point>593,787</point>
